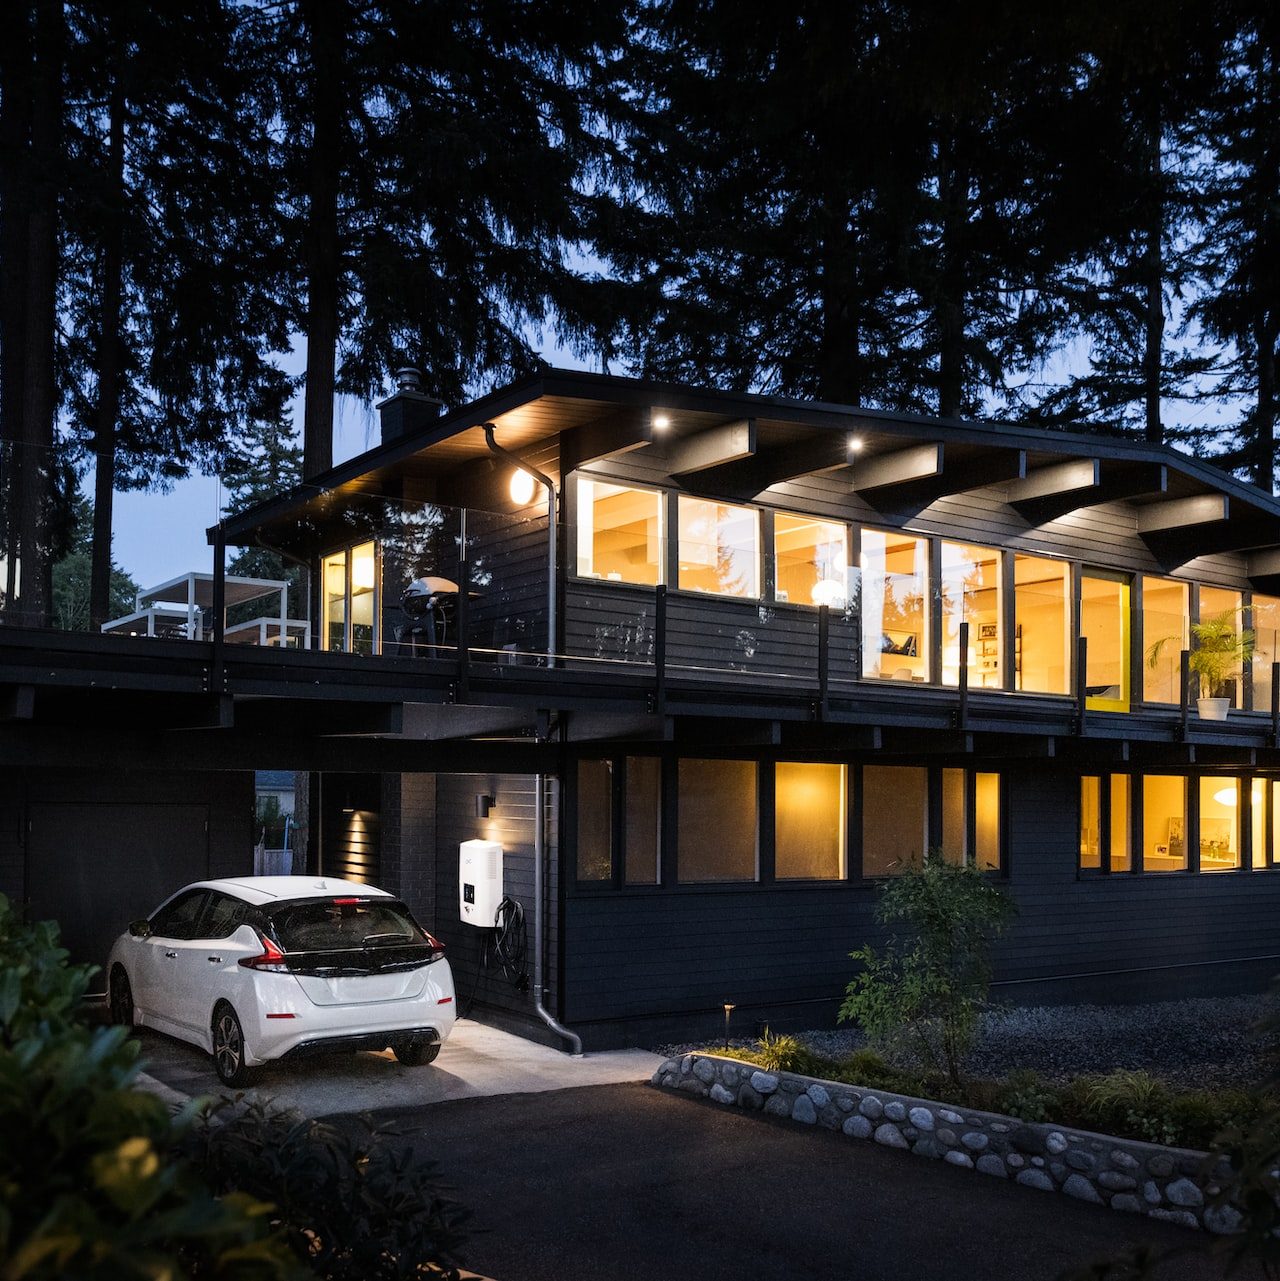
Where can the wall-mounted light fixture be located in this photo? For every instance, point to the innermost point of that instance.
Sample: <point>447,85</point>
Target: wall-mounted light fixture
<point>660,421</point>
<point>521,487</point>
<point>855,444</point>
<point>484,803</point>
<point>347,806</point>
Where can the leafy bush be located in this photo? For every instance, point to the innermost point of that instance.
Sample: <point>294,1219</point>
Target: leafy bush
<point>1027,1097</point>
<point>89,1185</point>
<point>354,1201</point>
<point>926,989</point>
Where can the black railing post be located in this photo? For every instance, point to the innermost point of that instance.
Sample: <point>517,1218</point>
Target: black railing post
<point>857,645</point>
<point>824,659</point>
<point>1275,704</point>
<point>1184,695</point>
<point>660,649</point>
<point>219,606</point>
<point>463,691</point>
<point>962,679</point>
<point>1082,682</point>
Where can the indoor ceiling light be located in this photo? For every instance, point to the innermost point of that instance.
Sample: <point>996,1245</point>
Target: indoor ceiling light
<point>1226,796</point>
<point>362,573</point>
<point>521,487</point>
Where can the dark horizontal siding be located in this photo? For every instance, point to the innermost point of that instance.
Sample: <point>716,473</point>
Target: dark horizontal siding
<point>670,958</point>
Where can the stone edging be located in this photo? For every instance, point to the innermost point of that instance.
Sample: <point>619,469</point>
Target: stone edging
<point>1141,1178</point>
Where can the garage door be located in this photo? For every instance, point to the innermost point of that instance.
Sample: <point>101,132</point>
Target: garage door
<point>95,868</point>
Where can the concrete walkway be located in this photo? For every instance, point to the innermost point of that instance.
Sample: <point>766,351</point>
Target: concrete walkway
<point>476,1062</point>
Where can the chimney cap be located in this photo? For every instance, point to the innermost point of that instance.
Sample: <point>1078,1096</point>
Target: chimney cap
<point>408,379</point>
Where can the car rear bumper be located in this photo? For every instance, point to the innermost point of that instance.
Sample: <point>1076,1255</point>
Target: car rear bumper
<point>350,1042</point>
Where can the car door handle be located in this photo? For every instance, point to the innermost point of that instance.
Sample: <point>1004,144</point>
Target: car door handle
<point>173,956</point>
<point>215,960</point>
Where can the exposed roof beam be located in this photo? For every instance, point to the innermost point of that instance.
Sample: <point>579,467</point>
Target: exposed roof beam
<point>920,475</point>
<point>712,447</point>
<point>1052,488</point>
<point>1263,568</point>
<point>749,477</point>
<point>618,434</point>
<point>1061,488</point>
<point>1179,513</point>
<point>902,467</point>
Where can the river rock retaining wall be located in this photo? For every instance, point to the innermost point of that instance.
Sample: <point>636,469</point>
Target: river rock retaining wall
<point>1141,1178</point>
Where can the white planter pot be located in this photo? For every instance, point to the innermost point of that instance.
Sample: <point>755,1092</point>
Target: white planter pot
<point>1213,709</point>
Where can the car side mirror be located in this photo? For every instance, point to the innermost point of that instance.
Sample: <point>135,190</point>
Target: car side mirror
<point>140,929</point>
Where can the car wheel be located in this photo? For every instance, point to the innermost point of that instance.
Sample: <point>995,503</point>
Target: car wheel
<point>228,1047</point>
<point>121,998</point>
<point>417,1053</point>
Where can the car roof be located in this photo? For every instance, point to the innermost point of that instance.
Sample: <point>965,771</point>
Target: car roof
<point>260,890</point>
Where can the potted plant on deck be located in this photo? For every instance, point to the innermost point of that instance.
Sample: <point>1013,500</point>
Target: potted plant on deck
<point>1220,654</point>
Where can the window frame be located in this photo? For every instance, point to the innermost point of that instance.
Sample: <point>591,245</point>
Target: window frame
<point>761,516</point>
<point>571,491</point>
<point>347,551</point>
<point>770,554</point>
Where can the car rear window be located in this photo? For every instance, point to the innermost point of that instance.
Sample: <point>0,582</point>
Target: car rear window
<point>327,925</point>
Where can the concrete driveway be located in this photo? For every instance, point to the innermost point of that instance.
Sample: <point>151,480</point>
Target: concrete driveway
<point>476,1061</point>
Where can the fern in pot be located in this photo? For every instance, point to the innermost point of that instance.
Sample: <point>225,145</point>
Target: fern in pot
<point>1219,656</point>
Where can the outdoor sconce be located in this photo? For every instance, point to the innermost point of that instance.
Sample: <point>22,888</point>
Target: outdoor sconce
<point>347,807</point>
<point>484,803</point>
<point>521,488</point>
<point>660,421</point>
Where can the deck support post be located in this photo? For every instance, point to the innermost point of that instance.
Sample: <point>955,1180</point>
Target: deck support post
<point>217,678</point>
<point>962,679</point>
<point>1082,682</point>
<point>1275,704</point>
<point>463,689</point>
<point>1184,694</point>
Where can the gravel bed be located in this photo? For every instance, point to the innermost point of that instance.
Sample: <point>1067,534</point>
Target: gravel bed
<point>1195,1042</point>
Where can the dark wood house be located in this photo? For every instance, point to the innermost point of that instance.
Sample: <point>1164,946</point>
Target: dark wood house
<point>710,666</point>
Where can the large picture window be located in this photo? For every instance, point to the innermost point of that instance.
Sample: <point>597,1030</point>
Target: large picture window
<point>809,822</point>
<point>717,820</point>
<point>1223,603</point>
<point>895,615</point>
<point>620,535</point>
<point>719,548</point>
<point>1091,821</point>
<point>1042,624</point>
<point>1266,647</point>
<point>970,585</point>
<point>895,817</point>
<point>1165,616</point>
<point>812,559</point>
<point>1219,823</point>
<point>1104,623</point>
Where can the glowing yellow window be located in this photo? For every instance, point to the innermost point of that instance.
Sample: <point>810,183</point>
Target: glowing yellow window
<point>620,536</point>
<point>333,575</point>
<point>719,548</point>
<point>1104,622</point>
<point>809,823</point>
<point>812,557</point>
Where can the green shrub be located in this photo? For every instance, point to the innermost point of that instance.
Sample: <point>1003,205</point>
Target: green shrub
<point>1024,1095</point>
<point>90,1187</point>
<point>925,990</point>
<point>354,1200</point>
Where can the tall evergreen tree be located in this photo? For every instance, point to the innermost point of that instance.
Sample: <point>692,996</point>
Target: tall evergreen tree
<point>174,277</point>
<point>1240,253</point>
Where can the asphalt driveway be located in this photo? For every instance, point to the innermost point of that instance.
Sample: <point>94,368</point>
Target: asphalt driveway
<point>626,1182</point>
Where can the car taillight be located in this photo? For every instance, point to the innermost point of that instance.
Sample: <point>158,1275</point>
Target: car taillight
<point>271,958</point>
<point>437,948</point>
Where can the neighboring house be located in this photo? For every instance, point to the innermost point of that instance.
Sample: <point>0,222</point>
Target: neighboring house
<point>278,785</point>
<point>774,649</point>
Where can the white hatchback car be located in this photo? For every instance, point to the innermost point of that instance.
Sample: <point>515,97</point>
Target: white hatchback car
<point>258,968</point>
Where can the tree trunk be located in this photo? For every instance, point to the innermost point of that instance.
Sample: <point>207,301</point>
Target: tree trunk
<point>1267,317</point>
<point>325,31</point>
<point>838,356</point>
<point>949,305</point>
<point>1153,273</point>
<point>108,407</point>
<point>15,192</point>
<point>39,398</point>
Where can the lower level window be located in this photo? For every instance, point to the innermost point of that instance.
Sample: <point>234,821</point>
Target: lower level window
<point>716,820</point>
<point>1219,824</point>
<point>595,820</point>
<point>642,814</point>
<point>1164,823</point>
<point>895,817</point>
<point>810,821</point>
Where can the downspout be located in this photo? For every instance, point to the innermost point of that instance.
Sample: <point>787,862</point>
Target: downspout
<point>540,781</point>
